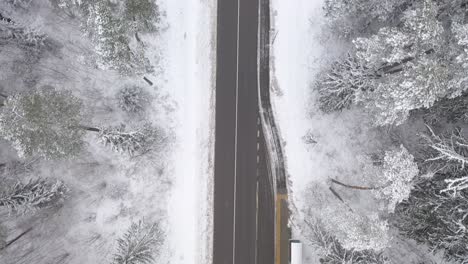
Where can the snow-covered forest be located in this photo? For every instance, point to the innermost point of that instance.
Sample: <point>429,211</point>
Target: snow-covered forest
<point>377,96</point>
<point>98,107</point>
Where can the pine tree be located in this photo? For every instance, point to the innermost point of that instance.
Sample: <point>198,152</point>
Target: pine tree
<point>43,122</point>
<point>350,18</point>
<point>35,194</point>
<point>331,251</point>
<point>139,245</point>
<point>20,3</point>
<point>450,153</point>
<point>398,69</point>
<point>132,99</point>
<point>108,32</point>
<point>109,24</point>
<point>16,33</point>
<point>435,218</point>
<point>142,14</point>
<point>393,180</point>
<point>133,142</point>
<point>396,182</point>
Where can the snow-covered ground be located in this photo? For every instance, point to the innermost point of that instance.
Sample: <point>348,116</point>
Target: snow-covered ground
<point>189,56</point>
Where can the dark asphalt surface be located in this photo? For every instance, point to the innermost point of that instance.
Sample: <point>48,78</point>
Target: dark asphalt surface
<point>239,232</point>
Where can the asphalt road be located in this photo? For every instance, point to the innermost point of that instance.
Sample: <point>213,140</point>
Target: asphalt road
<point>239,210</point>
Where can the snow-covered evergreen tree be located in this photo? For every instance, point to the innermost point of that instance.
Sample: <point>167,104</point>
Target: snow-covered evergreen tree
<point>435,218</point>
<point>356,231</point>
<point>398,69</point>
<point>20,3</point>
<point>108,32</point>
<point>132,142</point>
<point>392,180</point>
<point>331,251</point>
<point>396,181</point>
<point>110,24</point>
<point>349,18</point>
<point>35,194</point>
<point>132,99</point>
<point>16,33</point>
<point>337,85</point>
<point>142,14</point>
<point>451,154</point>
<point>139,245</point>
<point>43,122</point>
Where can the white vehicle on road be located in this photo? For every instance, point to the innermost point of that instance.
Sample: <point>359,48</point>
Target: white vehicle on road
<point>295,249</point>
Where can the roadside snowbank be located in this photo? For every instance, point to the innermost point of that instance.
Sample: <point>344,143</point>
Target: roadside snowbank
<point>188,63</point>
<point>295,52</point>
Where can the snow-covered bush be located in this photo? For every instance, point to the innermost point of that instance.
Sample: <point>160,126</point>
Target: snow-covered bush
<point>139,245</point>
<point>132,142</point>
<point>132,99</point>
<point>33,195</point>
<point>43,122</point>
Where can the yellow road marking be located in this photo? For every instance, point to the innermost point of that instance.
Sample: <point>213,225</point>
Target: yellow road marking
<point>279,198</point>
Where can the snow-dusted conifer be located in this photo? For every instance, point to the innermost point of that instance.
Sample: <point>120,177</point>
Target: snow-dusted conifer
<point>349,18</point>
<point>14,32</point>
<point>338,84</point>
<point>143,15</point>
<point>331,251</point>
<point>452,153</point>
<point>108,32</point>
<point>139,245</point>
<point>131,142</point>
<point>435,218</point>
<point>33,195</point>
<point>132,99</point>
<point>43,122</point>
<point>402,68</point>
<point>396,181</point>
<point>356,231</point>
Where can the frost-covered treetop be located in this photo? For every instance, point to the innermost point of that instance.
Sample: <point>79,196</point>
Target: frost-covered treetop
<point>399,170</point>
<point>355,231</point>
<point>132,142</point>
<point>420,32</point>
<point>42,122</point>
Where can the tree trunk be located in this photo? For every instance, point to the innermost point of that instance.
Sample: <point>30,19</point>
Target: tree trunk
<point>16,238</point>
<point>352,186</point>
<point>397,66</point>
<point>339,198</point>
<point>87,128</point>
